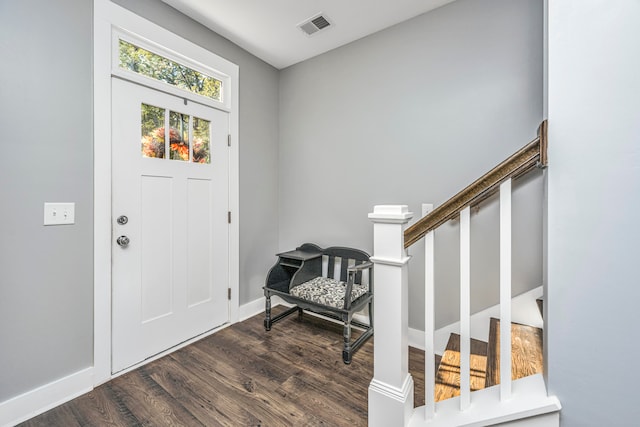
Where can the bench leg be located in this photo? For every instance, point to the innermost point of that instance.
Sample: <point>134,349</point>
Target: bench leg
<point>346,352</point>
<point>351,347</point>
<point>267,313</point>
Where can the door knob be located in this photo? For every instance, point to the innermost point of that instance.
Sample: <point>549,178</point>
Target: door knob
<point>122,219</point>
<point>123,241</point>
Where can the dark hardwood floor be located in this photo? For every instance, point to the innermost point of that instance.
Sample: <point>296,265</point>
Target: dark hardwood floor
<point>241,376</point>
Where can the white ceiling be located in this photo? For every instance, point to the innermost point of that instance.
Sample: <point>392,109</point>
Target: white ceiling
<point>268,28</point>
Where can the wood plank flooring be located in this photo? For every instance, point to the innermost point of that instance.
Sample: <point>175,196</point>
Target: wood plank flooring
<point>241,376</point>
<point>526,351</point>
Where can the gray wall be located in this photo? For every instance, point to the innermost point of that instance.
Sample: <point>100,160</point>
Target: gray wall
<point>594,200</point>
<point>258,142</point>
<point>413,114</point>
<point>46,273</point>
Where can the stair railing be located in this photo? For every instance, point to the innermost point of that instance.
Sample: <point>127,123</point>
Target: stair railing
<point>391,390</point>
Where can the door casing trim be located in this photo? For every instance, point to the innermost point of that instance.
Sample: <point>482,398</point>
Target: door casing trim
<point>106,17</point>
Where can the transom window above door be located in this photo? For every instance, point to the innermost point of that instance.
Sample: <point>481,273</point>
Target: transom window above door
<point>180,72</point>
<point>146,63</point>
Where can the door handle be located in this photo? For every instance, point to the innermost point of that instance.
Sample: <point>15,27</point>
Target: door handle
<point>123,241</point>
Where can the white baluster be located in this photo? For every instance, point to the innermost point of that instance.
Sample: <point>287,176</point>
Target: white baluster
<point>429,320</point>
<point>505,290</point>
<point>465,308</point>
<point>391,389</point>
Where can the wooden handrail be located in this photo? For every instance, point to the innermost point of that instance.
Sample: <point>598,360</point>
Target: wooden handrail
<point>531,155</point>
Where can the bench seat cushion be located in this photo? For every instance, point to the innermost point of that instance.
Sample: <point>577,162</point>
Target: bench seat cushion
<point>326,291</point>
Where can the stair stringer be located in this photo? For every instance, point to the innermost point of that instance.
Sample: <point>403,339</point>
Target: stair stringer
<point>529,399</point>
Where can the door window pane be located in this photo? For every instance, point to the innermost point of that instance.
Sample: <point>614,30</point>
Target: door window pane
<point>178,136</point>
<point>152,124</point>
<point>201,140</point>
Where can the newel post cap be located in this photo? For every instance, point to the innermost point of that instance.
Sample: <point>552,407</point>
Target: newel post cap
<point>391,213</point>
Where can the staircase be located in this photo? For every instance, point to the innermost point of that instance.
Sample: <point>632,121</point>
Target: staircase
<point>526,359</point>
<point>448,375</point>
<point>477,383</point>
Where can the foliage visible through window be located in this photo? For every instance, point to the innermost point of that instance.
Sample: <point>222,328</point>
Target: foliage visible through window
<point>146,63</point>
<point>153,135</point>
<point>152,121</point>
<point>178,136</point>
<point>201,140</point>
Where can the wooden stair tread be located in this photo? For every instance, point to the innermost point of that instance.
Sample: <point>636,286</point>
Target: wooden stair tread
<point>526,352</point>
<point>448,374</point>
<point>416,368</point>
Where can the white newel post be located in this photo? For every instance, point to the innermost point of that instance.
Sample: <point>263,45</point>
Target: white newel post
<point>391,390</point>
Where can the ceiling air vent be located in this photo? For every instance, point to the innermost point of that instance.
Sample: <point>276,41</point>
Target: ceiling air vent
<point>315,24</point>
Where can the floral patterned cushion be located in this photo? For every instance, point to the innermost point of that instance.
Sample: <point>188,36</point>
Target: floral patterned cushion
<point>323,290</point>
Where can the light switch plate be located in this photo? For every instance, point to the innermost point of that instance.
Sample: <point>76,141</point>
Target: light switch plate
<point>59,213</point>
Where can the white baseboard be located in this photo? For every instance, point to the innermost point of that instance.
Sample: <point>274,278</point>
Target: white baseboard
<point>254,307</point>
<point>416,339</point>
<point>48,396</point>
<point>523,308</point>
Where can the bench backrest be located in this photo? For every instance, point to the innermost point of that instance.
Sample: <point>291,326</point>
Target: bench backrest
<point>339,255</point>
<point>344,257</point>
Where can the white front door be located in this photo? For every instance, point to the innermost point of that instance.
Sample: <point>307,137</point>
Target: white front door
<point>170,183</point>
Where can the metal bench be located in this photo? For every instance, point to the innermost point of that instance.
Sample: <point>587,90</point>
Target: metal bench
<point>344,289</point>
